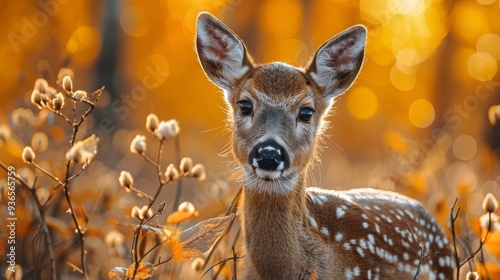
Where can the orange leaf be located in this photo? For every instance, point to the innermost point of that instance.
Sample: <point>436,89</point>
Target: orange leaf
<point>117,271</point>
<point>181,216</point>
<point>199,238</point>
<point>144,271</point>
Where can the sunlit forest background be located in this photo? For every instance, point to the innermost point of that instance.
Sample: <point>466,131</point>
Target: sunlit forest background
<point>416,120</point>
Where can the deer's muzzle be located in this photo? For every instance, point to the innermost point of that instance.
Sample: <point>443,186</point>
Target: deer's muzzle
<point>269,155</point>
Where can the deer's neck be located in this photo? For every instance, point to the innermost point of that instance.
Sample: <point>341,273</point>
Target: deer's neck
<point>273,226</point>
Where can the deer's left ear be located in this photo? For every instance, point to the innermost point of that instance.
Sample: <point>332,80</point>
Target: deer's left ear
<point>336,64</point>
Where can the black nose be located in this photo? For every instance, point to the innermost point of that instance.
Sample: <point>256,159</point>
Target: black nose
<point>269,155</point>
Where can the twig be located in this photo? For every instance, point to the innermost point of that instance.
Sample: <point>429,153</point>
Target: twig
<point>235,256</point>
<point>231,209</point>
<point>135,242</point>
<point>453,219</point>
<point>481,242</point>
<point>178,190</point>
<point>60,184</point>
<point>422,256</point>
<point>43,223</point>
<point>233,245</point>
<point>219,263</point>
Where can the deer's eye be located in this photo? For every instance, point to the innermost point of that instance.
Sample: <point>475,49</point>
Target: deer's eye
<point>305,114</point>
<point>245,107</point>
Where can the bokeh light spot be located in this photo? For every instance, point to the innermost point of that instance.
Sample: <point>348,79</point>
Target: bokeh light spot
<point>84,44</point>
<point>421,113</point>
<point>465,147</point>
<point>406,59</point>
<point>402,81</point>
<point>362,103</point>
<point>282,17</point>
<point>482,66</point>
<point>134,21</point>
<point>468,22</point>
<point>489,43</point>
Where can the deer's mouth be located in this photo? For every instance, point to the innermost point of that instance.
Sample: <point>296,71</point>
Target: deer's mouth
<point>267,175</point>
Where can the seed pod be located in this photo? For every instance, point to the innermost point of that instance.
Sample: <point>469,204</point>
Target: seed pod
<point>28,155</point>
<point>58,102</point>
<point>186,165</point>
<point>41,85</point>
<point>36,98</point>
<point>490,203</point>
<point>167,129</point>
<point>126,180</point>
<point>171,173</point>
<point>198,172</point>
<point>152,122</point>
<point>138,145</point>
<point>67,83</point>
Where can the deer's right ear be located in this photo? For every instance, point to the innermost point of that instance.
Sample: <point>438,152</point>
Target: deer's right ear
<point>221,53</point>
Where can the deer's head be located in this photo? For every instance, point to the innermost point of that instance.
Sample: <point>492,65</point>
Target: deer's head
<point>276,110</point>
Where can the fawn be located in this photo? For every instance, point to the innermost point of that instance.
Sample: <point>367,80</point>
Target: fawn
<point>277,114</point>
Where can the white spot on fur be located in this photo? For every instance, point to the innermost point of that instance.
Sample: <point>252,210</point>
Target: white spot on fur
<point>340,212</point>
<point>325,231</point>
<point>339,236</point>
<point>313,221</point>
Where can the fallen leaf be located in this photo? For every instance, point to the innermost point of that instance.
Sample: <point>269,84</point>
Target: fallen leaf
<point>144,271</point>
<point>181,216</point>
<point>117,271</point>
<point>199,238</point>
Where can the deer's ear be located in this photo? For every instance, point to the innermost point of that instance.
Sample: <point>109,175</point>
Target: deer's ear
<point>336,64</point>
<point>221,53</point>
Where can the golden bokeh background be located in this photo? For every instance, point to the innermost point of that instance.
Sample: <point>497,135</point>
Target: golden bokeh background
<point>415,121</point>
<point>430,68</point>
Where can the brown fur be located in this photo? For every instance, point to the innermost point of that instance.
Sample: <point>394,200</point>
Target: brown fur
<point>291,231</point>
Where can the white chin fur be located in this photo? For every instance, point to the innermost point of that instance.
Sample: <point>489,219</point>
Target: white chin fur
<point>271,182</point>
<point>267,175</point>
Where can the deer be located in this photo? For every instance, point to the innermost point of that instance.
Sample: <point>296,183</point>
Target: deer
<point>277,116</point>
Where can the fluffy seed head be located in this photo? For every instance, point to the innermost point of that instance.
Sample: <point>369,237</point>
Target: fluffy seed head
<point>489,222</point>
<point>67,83</point>
<point>472,276</point>
<point>490,203</point>
<point>79,95</point>
<point>167,129</point>
<point>494,114</point>
<point>36,98</point>
<point>28,155</point>
<point>198,172</point>
<point>65,72</point>
<point>83,151</point>
<point>138,145</point>
<point>126,180</point>
<point>186,206</point>
<point>186,165</point>
<point>141,213</point>
<point>171,173</point>
<point>152,122</point>
<point>41,85</point>
<point>58,102</point>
